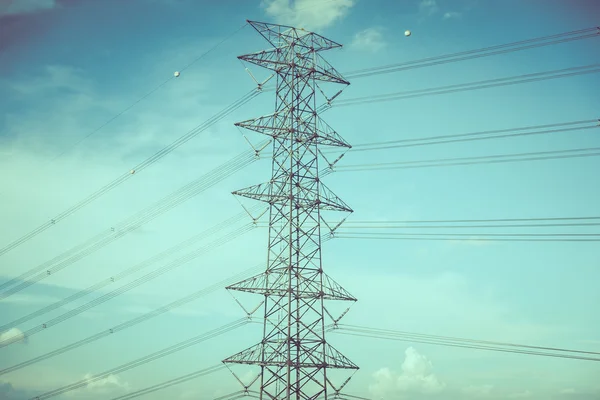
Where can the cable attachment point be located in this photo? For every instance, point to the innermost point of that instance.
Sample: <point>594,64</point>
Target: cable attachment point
<point>259,85</point>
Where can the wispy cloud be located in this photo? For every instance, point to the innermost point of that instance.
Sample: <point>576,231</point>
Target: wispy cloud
<point>370,39</point>
<point>15,7</point>
<point>452,15</point>
<point>308,14</point>
<point>12,335</point>
<point>478,390</point>
<point>428,7</point>
<point>109,384</point>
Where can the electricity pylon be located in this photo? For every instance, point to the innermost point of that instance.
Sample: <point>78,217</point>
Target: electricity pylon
<point>293,356</point>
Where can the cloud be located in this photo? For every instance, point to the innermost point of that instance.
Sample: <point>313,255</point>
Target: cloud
<point>428,7</point>
<point>13,335</point>
<point>53,80</point>
<point>27,299</point>
<point>108,384</point>
<point>16,7</point>
<point>452,15</point>
<point>478,390</point>
<point>308,14</point>
<point>416,376</point>
<point>370,39</point>
<point>8,392</point>
<point>568,391</point>
<point>520,395</point>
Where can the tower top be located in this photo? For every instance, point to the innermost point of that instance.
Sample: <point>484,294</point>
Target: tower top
<point>284,35</point>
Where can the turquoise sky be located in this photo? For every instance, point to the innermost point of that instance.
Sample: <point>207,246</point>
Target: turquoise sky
<point>67,67</point>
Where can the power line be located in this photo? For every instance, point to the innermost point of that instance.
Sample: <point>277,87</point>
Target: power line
<point>185,378</point>
<point>144,317</point>
<point>484,84</point>
<point>130,271</point>
<point>146,359</point>
<point>234,106</point>
<point>490,159</point>
<point>477,53</point>
<point>473,136</point>
<point>478,220</point>
<point>131,285</point>
<point>173,200</point>
<point>465,343</point>
<point>149,93</point>
<point>477,234</point>
<point>135,321</point>
<point>355,235</point>
<point>138,168</point>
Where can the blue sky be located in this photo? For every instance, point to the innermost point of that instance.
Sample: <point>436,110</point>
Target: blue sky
<point>68,66</point>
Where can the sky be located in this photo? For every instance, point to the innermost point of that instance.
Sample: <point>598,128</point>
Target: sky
<point>67,67</point>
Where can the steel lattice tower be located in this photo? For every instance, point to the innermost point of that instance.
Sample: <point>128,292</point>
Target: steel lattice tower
<point>294,356</point>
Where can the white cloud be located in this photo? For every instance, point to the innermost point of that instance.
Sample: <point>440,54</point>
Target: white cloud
<point>53,78</point>
<point>108,384</point>
<point>370,39</point>
<point>416,376</point>
<point>568,391</point>
<point>478,390</point>
<point>308,14</point>
<point>27,299</point>
<point>520,395</point>
<point>428,7</point>
<point>14,7</point>
<point>452,15</point>
<point>12,335</point>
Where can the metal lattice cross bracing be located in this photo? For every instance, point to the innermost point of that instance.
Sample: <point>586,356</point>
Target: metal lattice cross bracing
<point>294,356</point>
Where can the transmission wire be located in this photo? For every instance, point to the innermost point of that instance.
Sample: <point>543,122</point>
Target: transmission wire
<point>133,284</point>
<point>143,360</point>
<point>137,320</point>
<point>471,54</point>
<point>78,252</point>
<point>461,343</point>
<point>141,166</point>
<point>123,274</point>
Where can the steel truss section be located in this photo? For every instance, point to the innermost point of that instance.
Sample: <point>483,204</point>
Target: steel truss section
<point>294,356</point>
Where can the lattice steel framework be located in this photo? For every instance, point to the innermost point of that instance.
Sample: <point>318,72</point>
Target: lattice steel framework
<point>294,356</point>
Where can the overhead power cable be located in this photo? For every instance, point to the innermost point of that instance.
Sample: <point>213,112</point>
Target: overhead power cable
<point>471,136</point>
<point>144,360</point>
<point>145,317</point>
<point>354,74</point>
<point>222,114</point>
<point>484,84</point>
<point>133,284</point>
<point>194,375</point>
<point>188,377</point>
<point>346,396</point>
<point>466,343</point>
<point>474,136</point>
<point>173,200</point>
<point>490,159</point>
<point>149,93</point>
<point>477,53</point>
<point>138,320</point>
<point>138,168</point>
<point>130,271</point>
<point>237,395</point>
<point>454,238</point>
<point>547,219</point>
